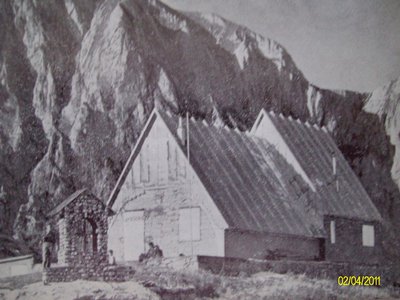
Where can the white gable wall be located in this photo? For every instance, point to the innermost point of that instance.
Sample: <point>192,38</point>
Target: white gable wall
<point>264,128</point>
<point>169,189</point>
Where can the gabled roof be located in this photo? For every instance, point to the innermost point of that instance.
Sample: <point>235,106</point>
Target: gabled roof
<point>136,149</point>
<point>314,148</point>
<point>251,184</point>
<point>70,199</point>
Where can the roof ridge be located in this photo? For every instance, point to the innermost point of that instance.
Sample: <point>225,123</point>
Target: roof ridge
<point>297,120</point>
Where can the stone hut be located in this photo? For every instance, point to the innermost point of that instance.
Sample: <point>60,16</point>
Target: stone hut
<point>81,222</point>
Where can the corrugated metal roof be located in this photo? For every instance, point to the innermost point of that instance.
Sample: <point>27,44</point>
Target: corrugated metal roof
<point>249,181</point>
<point>314,149</point>
<point>254,186</point>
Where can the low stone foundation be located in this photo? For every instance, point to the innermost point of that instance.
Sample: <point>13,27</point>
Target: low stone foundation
<point>223,266</point>
<point>96,273</point>
<point>60,274</point>
<point>181,262</point>
<point>118,273</point>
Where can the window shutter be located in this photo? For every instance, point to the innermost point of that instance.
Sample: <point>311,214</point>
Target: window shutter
<point>189,224</point>
<point>368,235</point>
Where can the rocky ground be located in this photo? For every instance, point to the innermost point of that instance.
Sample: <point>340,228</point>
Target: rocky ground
<point>81,290</point>
<point>151,283</point>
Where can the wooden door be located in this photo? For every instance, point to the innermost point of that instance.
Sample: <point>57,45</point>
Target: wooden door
<point>133,234</point>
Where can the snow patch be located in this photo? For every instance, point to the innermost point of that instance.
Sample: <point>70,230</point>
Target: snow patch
<point>242,54</point>
<point>271,50</point>
<point>213,19</point>
<point>313,100</point>
<point>172,21</point>
<point>331,125</point>
<point>379,101</point>
<point>166,87</point>
<point>216,119</point>
<point>71,9</point>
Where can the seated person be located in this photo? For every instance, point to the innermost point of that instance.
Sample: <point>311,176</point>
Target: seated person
<point>111,258</point>
<point>153,252</point>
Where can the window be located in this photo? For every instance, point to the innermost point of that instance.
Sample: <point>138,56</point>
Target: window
<point>172,165</point>
<point>89,235</point>
<point>189,224</point>
<point>181,166</point>
<point>368,235</point>
<point>333,232</point>
<point>162,161</point>
<point>144,165</point>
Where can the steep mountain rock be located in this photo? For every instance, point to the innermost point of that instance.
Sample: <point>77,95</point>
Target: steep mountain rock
<point>78,80</point>
<point>385,102</point>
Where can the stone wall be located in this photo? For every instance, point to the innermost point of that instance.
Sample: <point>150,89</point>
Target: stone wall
<point>96,273</point>
<point>82,240</point>
<point>63,242</point>
<point>227,266</point>
<point>83,219</point>
<point>118,273</point>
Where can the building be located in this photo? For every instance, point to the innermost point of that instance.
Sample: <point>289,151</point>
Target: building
<point>281,190</point>
<point>81,223</point>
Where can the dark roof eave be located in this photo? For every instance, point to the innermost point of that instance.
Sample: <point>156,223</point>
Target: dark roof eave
<point>59,208</point>
<point>305,237</point>
<point>114,193</point>
<point>359,219</point>
<point>64,203</point>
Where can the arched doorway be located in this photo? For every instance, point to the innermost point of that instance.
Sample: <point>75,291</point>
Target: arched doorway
<point>89,239</point>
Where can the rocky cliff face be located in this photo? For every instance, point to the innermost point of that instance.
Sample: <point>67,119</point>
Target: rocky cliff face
<point>385,103</point>
<point>79,78</point>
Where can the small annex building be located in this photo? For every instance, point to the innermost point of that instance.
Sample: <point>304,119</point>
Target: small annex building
<point>283,188</point>
<point>81,225</point>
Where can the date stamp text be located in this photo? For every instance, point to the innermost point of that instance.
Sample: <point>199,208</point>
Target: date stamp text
<point>360,280</point>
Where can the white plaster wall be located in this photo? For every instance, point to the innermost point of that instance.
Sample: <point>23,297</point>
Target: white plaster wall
<point>161,198</point>
<point>16,266</point>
